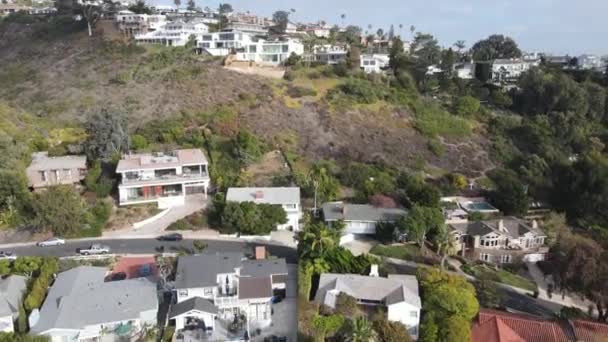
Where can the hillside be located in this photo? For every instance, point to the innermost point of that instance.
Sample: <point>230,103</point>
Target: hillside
<point>64,78</point>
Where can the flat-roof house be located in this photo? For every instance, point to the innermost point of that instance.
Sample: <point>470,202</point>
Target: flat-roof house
<point>162,177</point>
<point>45,171</point>
<point>398,294</point>
<point>81,306</point>
<point>500,241</point>
<point>12,289</point>
<point>327,54</point>
<point>287,197</point>
<point>359,219</point>
<point>374,62</point>
<point>509,70</point>
<point>221,285</point>
<point>174,33</point>
<point>131,24</point>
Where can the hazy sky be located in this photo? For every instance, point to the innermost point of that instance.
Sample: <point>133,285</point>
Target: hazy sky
<point>557,26</point>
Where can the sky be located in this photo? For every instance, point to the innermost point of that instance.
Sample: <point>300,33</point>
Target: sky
<point>552,26</point>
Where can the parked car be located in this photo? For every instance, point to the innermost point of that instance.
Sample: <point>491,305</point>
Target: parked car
<point>276,299</point>
<point>145,270</point>
<point>118,276</point>
<point>171,237</point>
<point>54,241</point>
<point>7,255</point>
<point>94,249</point>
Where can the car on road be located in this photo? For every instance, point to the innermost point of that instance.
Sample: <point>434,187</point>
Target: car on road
<point>171,237</point>
<point>276,299</point>
<point>118,276</point>
<point>94,249</point>
<point>7,256</point>
<point>54,241</point>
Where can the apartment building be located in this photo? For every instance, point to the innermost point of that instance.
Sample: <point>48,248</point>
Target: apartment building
<point>162,177</point>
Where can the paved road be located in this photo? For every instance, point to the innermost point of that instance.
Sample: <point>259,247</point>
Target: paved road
<point>149,246</point>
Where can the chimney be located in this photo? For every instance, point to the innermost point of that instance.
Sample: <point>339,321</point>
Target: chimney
<point>534,224</point>
<point>501,226</point>
<point>259,194</point>
<point>260,252</point>
<point>373,272</point>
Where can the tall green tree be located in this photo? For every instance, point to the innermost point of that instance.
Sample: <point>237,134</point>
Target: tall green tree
<point>107,134</point>
<point>510,194</point>
<point>419,222</point>
<point>494,47</point>
<point>360,330</point>
<point>281,20</point>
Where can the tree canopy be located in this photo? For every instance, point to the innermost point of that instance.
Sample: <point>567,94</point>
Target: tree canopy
<point>248,218</point>
<point>60,209</point>
<point>494,47</point>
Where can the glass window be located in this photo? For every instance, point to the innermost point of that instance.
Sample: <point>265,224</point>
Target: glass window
<point>226,36</point>
<point>413,313</point>
<point>207,37</point>
<point>285,48</point>
<point>253,49</point>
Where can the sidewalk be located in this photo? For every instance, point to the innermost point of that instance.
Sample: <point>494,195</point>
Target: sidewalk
<point>543,282</point>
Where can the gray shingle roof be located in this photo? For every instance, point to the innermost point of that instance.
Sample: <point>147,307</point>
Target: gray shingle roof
<point>41,162</point>
<point>334,211</point>
<point>268,195</point>
<point>80,297</point>
<point>196,303</point>
<point>391,290</point>
<point>513,227</point>
<point>255,288</point>
<point>263,268</point>
<point>201,270</point>
<point>11,293</point>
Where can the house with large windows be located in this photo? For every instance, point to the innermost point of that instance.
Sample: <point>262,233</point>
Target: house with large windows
<point>214,289</point>
<point>174,33</point>
<point>500,241</point>
<point>286,197</point>
<point>162,177</point>
<point>327,54</point>
<point>397,294</point>
<point>131,24</point>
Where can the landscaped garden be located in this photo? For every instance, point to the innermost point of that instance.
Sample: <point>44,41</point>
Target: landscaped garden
<point>501,276</point>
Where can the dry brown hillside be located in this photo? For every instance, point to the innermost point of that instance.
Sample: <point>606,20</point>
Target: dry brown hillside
<point>68,77</point>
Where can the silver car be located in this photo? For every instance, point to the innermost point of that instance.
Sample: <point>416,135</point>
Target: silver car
<point>54,241</point>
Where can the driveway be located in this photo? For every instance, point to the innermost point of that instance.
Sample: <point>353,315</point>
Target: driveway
<point>360,246</point>
<point>193,204</point>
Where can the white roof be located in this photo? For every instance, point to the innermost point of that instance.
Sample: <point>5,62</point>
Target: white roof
<point>264,195</point>
<point>394,289</point>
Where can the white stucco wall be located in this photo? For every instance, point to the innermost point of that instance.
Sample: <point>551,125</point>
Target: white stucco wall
<point>402,312</point>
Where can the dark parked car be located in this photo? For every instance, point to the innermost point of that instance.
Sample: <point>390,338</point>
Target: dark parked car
<point>118,276</point>
<point>276,299</point>
<point>171,237</point>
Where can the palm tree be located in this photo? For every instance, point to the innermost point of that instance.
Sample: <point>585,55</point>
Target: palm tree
<point>400,30</point>
<point>317,239</point>
<point>460,45</point>
<point>343,16</point>
<point>446,244</point>
<point>361,330</point>
<point>412,30</point>
<point>177,3</point>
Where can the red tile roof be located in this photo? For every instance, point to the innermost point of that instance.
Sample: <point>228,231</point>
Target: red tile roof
<point>590,331</point>
<point>498,326</point>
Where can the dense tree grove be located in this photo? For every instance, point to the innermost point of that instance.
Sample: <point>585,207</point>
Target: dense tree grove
<point>248,218</point>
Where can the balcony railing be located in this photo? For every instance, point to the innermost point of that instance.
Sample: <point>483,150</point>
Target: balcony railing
<point>166,178</point>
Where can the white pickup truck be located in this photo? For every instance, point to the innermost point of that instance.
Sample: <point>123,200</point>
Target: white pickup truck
<point>94,249</point>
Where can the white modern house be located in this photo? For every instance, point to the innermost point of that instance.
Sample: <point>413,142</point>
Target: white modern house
<point>132,24</point>
<point>81,306</point>
<point>327,54</point>
<point>253,28</point>
<point>398,294</point>
<point>175,33</point>
<point>162,177</point>
<point>246,47</point>
<point>374,62</point>
<point>506,70</point>
<point>465,71</point>
<point>359,219</point>
<point>288,198</point>
<point>12,289</point>
<point>220,286</point>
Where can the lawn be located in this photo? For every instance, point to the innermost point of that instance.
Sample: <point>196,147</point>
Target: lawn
<point>404,252</point>
<point>501,276</point>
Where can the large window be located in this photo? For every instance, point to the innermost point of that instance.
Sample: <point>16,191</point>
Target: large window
<point>226,36</point>
<point>484,257</point>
